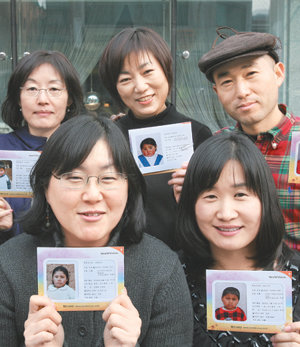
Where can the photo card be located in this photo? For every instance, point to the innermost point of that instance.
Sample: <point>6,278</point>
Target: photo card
<point>15,167</point>
<point>294,167</point>
<point>162,148</point>
<point>248,301</point>
<point>80,279</point>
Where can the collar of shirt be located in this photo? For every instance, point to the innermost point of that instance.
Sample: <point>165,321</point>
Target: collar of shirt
<point>278,133</point>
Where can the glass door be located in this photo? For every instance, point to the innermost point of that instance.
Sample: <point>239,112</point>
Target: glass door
<point>81,29</point>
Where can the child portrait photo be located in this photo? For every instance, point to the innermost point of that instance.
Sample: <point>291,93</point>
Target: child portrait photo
<point>61,281</point>
<point>149,155</point>
<point>230,302</point>
<point>5,174</point>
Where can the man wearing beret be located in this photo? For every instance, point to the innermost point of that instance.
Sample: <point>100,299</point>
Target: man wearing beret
<point>246,74</point>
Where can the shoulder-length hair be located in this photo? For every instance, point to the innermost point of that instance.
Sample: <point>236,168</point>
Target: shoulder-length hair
<point>11,113</point>
<point>203,172</point>
<point>65,150</point>
<point>132,40</point>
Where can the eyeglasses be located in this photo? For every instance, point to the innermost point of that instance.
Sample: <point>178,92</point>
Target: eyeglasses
<point>78,180</point>
<point>53,92</point>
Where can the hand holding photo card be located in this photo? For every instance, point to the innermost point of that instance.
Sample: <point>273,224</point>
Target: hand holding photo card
<point>80,279</point>
<point>15,167</point>
<point>248,301</point>
<point>294,167</point>
<point>162,148</point>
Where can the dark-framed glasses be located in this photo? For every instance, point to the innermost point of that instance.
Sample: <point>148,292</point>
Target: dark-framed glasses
<point>34,92</point>
<point>78,180</point>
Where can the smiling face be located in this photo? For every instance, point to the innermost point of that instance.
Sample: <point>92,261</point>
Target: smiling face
<point>142,85</point>
<point>59,279</point>
<point>229,214</point>
<point>44,113</point>
<point>230,301</point>
<point>148,150</point>
<point>248,90</point>
<point>87,216</point>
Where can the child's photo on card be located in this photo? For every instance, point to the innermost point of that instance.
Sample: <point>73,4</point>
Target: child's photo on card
<point>61,280</point>
<point>248,301</point>
<point>161,148</point>
<point>230,301</point>
<point>294,167</point>
<point>80,279</point>
<point>5,175</point>
<point>15,167</point>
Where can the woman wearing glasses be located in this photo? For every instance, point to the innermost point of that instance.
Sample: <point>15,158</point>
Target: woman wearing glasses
<point>88,192</point>
<point>43,91</point>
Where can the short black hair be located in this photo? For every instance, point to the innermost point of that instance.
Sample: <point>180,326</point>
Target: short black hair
<point>65,150</point>
<point>203,172</point>
<point>11,113</point>
<point>62,269</point>
<point>127,41</point>
<point>148,141</point>
<point>231,290</point>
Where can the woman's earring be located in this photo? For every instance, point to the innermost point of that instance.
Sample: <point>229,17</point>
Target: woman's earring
<point>47,217</point>
<point>68,109</point>
<point>20,109</point>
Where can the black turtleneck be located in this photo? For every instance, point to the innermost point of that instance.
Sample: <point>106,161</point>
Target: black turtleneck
<point>160,203</point>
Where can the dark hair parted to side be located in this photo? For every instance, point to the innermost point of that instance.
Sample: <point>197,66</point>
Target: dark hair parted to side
<point>132,40</point>
<point>148,141</point>
<point>62,269</point>
<point>203,172</point>
<point>231,290</point>
<point>65,150</point>
<point>11,113</point>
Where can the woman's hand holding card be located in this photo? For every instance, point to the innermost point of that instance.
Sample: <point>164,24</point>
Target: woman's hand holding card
<point>43,326</point>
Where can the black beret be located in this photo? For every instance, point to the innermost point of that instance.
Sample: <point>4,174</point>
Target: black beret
<point>241,44</point>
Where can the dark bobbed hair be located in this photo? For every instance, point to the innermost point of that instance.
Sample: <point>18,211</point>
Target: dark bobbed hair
<point>11,113</point>
<point>127,41</point>
<point>65,150</point>
<point>203,172</point>
<point>231,290</point>
<point>62,269</point>
<point>148,141</point>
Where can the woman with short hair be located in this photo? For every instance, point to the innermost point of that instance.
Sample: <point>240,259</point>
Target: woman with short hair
<point>136,69</point>
<point>88,192</point>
